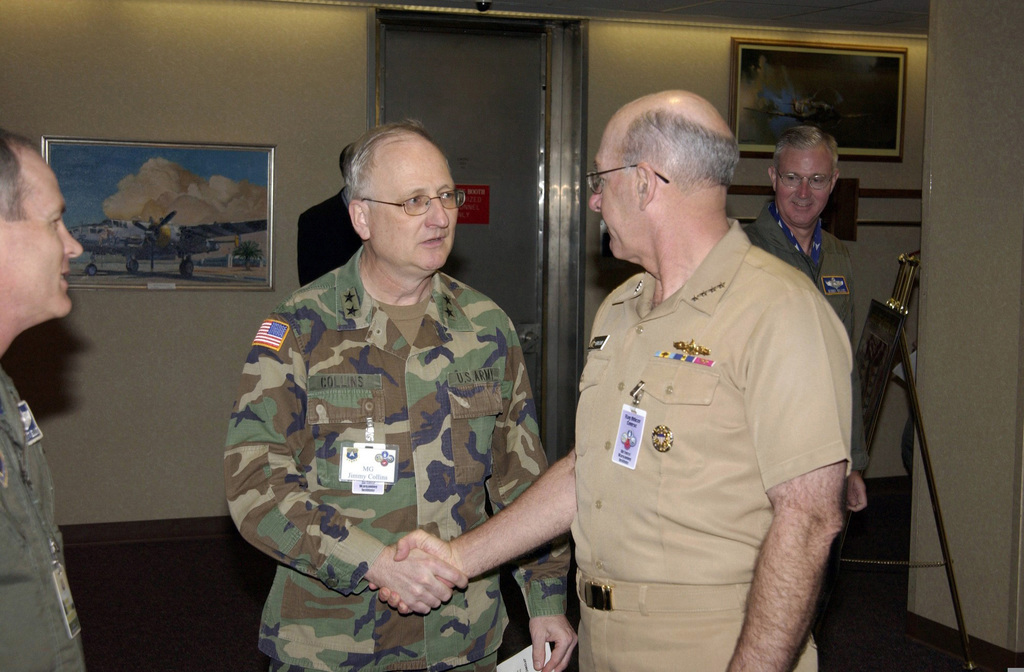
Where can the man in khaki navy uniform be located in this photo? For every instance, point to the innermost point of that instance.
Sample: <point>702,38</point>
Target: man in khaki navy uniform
<point>804,171</point>
<point>712,433</point>
<point>39,630</point>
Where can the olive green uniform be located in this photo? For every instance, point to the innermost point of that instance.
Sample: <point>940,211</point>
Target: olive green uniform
<point>33,634</point>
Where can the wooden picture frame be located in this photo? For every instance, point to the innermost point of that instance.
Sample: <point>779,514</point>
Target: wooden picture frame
<point>855,93</point>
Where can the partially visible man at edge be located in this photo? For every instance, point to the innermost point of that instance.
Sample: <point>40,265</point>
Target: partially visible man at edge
<point>712,432</point>
<point>804,171</point>
<point>39,629</point>
<point>325,238</point>
<point>390,360</point>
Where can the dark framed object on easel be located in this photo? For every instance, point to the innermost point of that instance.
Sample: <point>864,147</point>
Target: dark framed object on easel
<point>874,359</point>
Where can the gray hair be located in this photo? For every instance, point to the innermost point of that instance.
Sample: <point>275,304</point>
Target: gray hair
<point>690,154</point>
<point>806,138</point>
<point>366,147</point>
<point>345,161</point>
<point>12,187</point>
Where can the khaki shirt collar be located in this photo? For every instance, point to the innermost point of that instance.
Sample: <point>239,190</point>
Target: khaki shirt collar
<point>706,286</point>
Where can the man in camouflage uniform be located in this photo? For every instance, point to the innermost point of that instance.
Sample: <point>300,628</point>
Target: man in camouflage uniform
<point>383,398</point>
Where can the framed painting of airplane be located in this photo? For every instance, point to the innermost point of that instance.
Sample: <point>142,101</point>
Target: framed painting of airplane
<point>162,215</point>
<point>855,93</point>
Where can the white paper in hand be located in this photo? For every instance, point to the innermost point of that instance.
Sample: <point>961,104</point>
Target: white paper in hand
<point>523,661</point>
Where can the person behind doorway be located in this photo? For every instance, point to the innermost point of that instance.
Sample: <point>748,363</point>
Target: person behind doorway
<point>39,628</point>
<point>383,398</point>
<point>326,239</point>
<point>804,171</point>
<point>712,431</point>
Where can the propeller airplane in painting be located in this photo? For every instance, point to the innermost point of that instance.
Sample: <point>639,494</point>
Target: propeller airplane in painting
<point>808,110</point>
<point>137,240</point>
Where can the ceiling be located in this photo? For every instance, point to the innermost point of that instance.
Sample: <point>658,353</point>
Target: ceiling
<point>872,16</point>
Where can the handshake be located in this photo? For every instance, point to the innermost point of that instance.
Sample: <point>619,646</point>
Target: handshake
<point>420,572</point>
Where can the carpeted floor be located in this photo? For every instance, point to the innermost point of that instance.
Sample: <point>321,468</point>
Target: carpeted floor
<point>171,606</point>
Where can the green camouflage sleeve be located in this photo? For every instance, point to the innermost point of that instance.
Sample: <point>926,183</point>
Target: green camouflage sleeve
<point>268,444</point>
<point>519,460</point>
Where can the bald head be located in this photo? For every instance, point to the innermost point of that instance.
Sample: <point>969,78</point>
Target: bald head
<point>682,103</point>
<point>680,133</point>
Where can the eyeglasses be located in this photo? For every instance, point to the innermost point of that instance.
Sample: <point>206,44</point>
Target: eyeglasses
<point>596,182</point>
<point>417,205</point>
<point>816,182</point>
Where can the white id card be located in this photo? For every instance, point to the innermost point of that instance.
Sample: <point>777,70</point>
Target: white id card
<point>373,462</point>
<point>60,581</point>
<point>631,432</point>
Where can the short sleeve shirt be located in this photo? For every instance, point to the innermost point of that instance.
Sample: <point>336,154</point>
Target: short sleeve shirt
<point>765,399</point>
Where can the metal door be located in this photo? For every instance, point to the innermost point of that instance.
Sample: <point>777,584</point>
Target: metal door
<point>480,87</point>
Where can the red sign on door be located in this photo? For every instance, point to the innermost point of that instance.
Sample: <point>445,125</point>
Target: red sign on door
<point>477,208</point>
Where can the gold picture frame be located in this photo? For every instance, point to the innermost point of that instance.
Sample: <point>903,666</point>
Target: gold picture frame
<point>856,93</point>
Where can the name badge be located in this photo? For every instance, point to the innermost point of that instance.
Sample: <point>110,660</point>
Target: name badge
<point>834,284</point>
<point>32,431</point>
<point>345,381</point>
<point>631,432</point>
<point>60,581</point>
<point>475,376</point>
<point>373,462</point>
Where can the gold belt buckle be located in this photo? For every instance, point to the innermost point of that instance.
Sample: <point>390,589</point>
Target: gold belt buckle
<point>597,596</point>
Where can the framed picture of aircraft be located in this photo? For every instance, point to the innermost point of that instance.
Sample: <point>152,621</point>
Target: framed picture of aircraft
<point>855,93</point>
<point>163,215</point>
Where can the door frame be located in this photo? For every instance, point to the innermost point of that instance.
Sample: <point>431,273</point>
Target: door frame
<point>561,212</point>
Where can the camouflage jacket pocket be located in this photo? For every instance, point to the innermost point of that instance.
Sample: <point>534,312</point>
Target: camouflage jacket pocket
<point>475,400</point>
<point>337,416</point>
<point>475,408</point>
<point>344,399</point>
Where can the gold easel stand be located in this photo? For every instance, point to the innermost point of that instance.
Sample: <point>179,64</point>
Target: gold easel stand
<point>899,302</point>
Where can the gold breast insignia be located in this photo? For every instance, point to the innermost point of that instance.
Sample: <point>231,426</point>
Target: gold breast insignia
<point>662,438</point>
<point>692,348</point>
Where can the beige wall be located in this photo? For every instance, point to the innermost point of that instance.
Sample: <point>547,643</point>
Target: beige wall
<point>141,432</point>
<point>148,378</point>
<point>971,322</point>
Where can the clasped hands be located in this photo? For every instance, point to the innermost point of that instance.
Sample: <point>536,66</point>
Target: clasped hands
<point>420,572</point>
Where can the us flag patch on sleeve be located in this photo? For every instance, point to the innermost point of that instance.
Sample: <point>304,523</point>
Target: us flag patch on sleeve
<point>271,334</point>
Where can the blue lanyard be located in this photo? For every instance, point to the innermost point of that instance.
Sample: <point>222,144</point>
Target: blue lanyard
<point>815,244</point>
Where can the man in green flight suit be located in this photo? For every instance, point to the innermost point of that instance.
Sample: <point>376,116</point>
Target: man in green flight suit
<point>39,630</point>
<point>383,398</point>
<point>804,171</point>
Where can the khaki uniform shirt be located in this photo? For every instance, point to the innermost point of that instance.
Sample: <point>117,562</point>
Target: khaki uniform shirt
<point>455,408</point>
<point>833,276</point>
<point>769,401</point>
